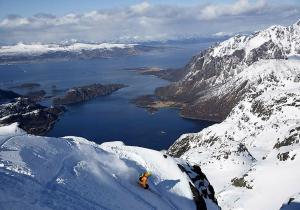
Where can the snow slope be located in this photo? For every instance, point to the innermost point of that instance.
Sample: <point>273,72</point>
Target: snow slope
<point>74,173</point>
<point>253,157</point>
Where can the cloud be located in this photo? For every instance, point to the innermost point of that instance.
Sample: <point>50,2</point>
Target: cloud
<point>239,7</point>
<point>145,21</point>
<point>140,8</point>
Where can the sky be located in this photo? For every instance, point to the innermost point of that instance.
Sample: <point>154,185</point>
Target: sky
<point>137,20</point>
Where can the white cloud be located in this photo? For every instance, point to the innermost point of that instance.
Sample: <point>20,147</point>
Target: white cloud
<point>147,22</point>
<point>239,7</point>
<point>140,8</point>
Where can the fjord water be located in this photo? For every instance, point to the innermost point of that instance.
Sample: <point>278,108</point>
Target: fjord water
<point>111,117</point>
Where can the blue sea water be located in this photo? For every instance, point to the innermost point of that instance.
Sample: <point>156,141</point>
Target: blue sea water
<point>111,117</point>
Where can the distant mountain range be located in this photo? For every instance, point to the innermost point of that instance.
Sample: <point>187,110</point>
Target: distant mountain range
<point>40,52</point>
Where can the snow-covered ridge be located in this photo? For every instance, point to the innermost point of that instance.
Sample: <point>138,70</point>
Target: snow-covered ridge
<point>38,49</point>
<point>236,53</point>
<point>286,38</point>
<point>253,156</point>
<point>39,173</point>
<point>208,71</point>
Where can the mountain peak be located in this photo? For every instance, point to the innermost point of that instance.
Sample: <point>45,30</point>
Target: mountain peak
<point>297,23</point>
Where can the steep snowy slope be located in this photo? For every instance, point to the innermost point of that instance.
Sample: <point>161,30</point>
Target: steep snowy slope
<point>253,157</point>
<point>73,173</point>
<point>210,69</point>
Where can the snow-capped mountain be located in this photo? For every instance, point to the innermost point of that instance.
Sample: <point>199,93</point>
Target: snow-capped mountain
<point>39,52</point>
<point>209,70</point>
<point>38,48</point>
<point>74,173</point>
<point>253,157</point>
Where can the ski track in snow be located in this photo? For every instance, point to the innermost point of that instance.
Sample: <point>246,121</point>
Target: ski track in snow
<point>138,197</point>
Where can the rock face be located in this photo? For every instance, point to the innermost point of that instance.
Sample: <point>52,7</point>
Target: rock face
<point>211,69</point>
<point>203,191</point>
<point>253,156</point>
<point>31,117</point>
<point>85,93</point>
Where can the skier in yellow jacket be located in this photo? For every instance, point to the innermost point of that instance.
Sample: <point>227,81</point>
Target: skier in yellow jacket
<point>143,180</point>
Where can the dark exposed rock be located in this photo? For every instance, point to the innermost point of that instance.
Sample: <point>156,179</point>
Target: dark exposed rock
<point>179,147</point>
<point>32,117</point>
<point>292,138</point>
<point>8,95</point>
<point>261,110</point>
<point>283,156</point>
<point>85,93</point>
<point>200,202</point>
<point>240,182</point>
<point>200,186</point>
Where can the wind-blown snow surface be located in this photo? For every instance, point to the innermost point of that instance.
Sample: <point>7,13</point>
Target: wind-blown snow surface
<point>253,157</point>
<point>38,49</point>
<point>73,173</point>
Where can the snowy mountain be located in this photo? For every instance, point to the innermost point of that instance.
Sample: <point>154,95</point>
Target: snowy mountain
<point>74,173</point>
<point>39,49</point>
<point>209,70</point>
<point>253,157</point>
<point>39,52</point>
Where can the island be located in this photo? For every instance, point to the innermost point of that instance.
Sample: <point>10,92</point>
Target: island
<point>171,75</point>
<point>85,93</point>
<point>27,86</point>
<point>30,116</point>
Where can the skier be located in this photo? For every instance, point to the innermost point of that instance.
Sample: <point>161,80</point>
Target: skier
<point>143,180</point>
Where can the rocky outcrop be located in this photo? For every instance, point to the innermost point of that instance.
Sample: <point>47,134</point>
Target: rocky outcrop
<point>209,71</point>
<point>31,117</point>
<point>85,93</point>
<point>203,191</point>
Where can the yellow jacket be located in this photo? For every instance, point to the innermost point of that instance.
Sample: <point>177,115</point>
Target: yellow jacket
<point>143,180</point>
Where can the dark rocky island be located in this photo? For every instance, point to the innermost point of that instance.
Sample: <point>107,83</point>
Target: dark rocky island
<point>32,117</point>
<point>27,86</point>
<point>171,75</point>
<point>85,93</point>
